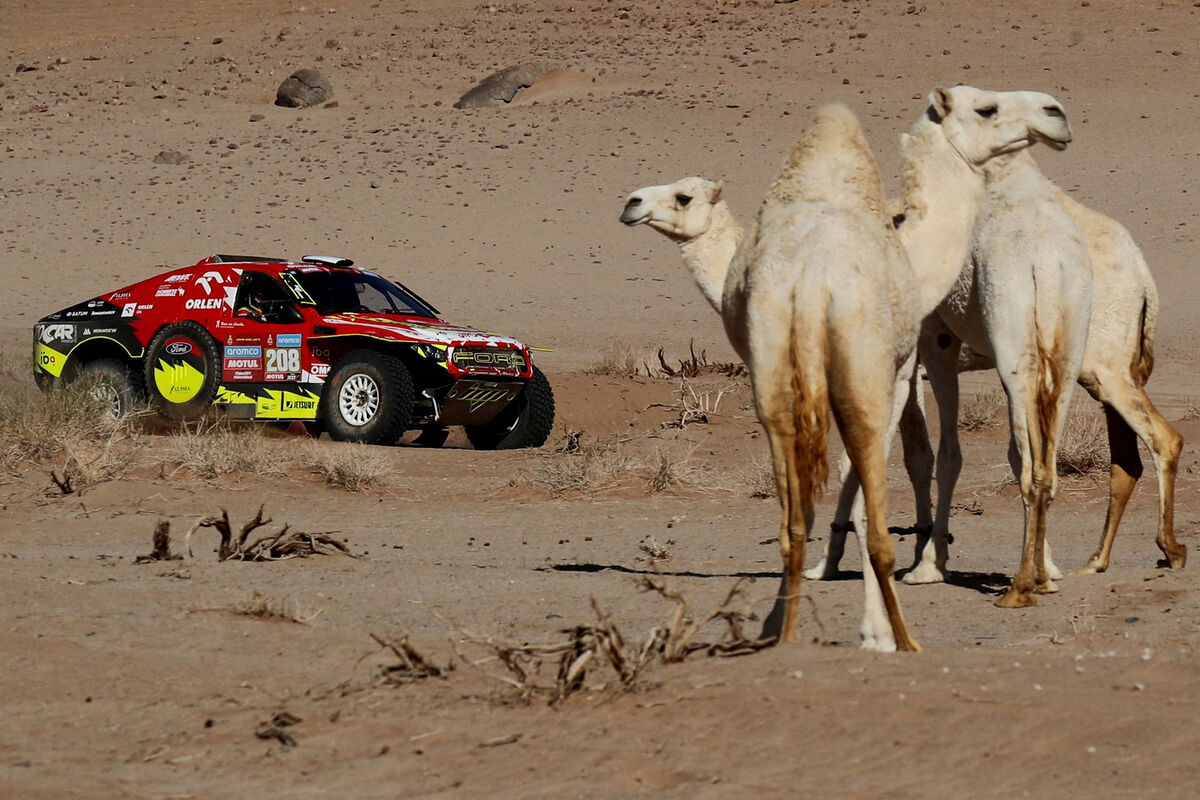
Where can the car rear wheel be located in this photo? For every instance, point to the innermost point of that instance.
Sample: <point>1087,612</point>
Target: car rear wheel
<point>368,398</point>
<point>183,368</point>
<point>112,383</point>
<point>525,422</point>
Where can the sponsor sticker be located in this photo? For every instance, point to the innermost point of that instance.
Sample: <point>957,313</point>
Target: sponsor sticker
<point>169,291</point>
<point>243,351</point>
<point>179,347</point>
<point>274,376</point>
<point>319,370</point>
<point>243,363</point>
<point>183,276</point>
<point>58,333</point>
<point>287,340</point>
<point>200,304</point>
<point>128,310</point>
<point>242,376</point>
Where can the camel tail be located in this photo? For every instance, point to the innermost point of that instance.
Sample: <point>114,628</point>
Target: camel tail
<point>1049,388</point>
<point>810,393</point>
<point>1143,364</point>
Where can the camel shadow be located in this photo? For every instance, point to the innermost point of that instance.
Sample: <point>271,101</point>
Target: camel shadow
<point>681,573</point>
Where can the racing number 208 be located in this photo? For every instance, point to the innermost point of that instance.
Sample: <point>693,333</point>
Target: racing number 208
<point>283,359</point>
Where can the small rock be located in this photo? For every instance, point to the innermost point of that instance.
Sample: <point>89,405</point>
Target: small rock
<point>501,87</point>
<point>170,157</point>
<point>257,117</point>
<point>303,88</point>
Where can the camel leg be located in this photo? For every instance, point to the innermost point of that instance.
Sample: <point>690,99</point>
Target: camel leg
<point>1124,470</point>
<point>827,568</point>
<point>939,353</point>
<point>883,627</point>
<point>1129,412</point>
<point>798,514</point>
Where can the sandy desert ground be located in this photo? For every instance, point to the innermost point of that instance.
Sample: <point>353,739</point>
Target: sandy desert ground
<point>124,679</point>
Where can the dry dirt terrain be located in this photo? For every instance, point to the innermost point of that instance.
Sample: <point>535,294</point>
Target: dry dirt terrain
<point>380,673</point>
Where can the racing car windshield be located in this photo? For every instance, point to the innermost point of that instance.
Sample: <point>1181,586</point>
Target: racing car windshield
<point>338,292</point>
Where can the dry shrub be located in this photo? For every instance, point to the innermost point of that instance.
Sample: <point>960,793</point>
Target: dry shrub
<point>698,365</point>
<point>760,478</point>
<point>598,649</point>
<point>72,426</point>
<point>267,608</point>
<point>212,449</point>
<point>694,407</point>
<point>1083,445</point>
<point>665,473</point>
<point>984,410</point>
<point>1191,409</point>
<point>353,467</point>
<point>271,547</point>
<point>618,360</point>
<point>411,665</point>
<point>588,468</point>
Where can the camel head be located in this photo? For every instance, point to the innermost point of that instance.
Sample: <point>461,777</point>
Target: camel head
<point>981,125</point>
<point>681,210</point>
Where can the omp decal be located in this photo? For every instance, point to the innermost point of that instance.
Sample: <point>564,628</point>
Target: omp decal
<point>48,360</point>
<point>477,396</point>
<point>287,340</point>
<point>178,383</point>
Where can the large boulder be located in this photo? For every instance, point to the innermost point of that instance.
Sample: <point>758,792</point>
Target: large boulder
<point>501,87</point>
<point>303,88</point>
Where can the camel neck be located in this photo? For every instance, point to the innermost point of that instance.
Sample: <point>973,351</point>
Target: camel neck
<point>942,195</point>
<point>709,255</point>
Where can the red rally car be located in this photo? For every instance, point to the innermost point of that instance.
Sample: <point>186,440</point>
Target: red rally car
<point>318,341</point>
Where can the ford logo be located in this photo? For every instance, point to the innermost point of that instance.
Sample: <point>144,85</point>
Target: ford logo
<point>179,348</point>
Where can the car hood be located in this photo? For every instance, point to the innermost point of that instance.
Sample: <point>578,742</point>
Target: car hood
<point>413,329</point>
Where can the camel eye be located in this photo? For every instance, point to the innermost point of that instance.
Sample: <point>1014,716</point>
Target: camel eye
<point>683,200</point>
<point>986,113</point>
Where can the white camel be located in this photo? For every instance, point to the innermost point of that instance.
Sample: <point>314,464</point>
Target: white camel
<point>1117,363</point>
<point>1117,360</point>
<point>820,302</point>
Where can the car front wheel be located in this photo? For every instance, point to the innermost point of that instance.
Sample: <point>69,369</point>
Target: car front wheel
<point>368,398</point>
<point>525,422</point>
<point>112,383</point>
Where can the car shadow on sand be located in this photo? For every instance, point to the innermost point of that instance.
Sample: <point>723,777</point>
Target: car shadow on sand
<point>681,573</point>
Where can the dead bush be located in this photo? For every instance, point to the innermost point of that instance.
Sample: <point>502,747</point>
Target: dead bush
<point>617,360</point>
<point>267,608</point>
<point>984,410</point>
<point>585,469</point>
<point>1191,409</point>
<point>271,547</point>
<point>1083,445</point>
<point>698,365</point>
<point>353,467</point>
<point>556,670</point>
<point>411,665</point>
<point>760,478</point>
<point>212,449</point>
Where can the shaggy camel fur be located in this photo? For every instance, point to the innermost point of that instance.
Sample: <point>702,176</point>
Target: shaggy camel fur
<point>820,302</point>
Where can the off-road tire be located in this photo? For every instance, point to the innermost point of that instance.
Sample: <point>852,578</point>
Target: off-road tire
<point>525,422</point>
<point>368,398</point>
<point>183,384</point>
<point>116,380</point>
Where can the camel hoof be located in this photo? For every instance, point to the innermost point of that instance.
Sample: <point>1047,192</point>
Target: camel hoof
<point>1094,568</point>
<point>821,572</point>
<point>1047,587</point>
<point>1016,599</point>
<point>909,645</point>
<point>1175,559</point>
<point>924,573</point>
<point>879,644</point>
<point>1054,572</point>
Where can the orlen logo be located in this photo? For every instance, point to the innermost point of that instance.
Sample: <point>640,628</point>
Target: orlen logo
<point>195,305</point>
<point>179,348</point>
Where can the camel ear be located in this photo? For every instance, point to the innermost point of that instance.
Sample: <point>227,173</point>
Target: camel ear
<point>940,104</point>
<point>717,189</point>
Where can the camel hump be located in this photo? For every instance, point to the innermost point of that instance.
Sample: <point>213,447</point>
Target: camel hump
<point>831,163</point>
